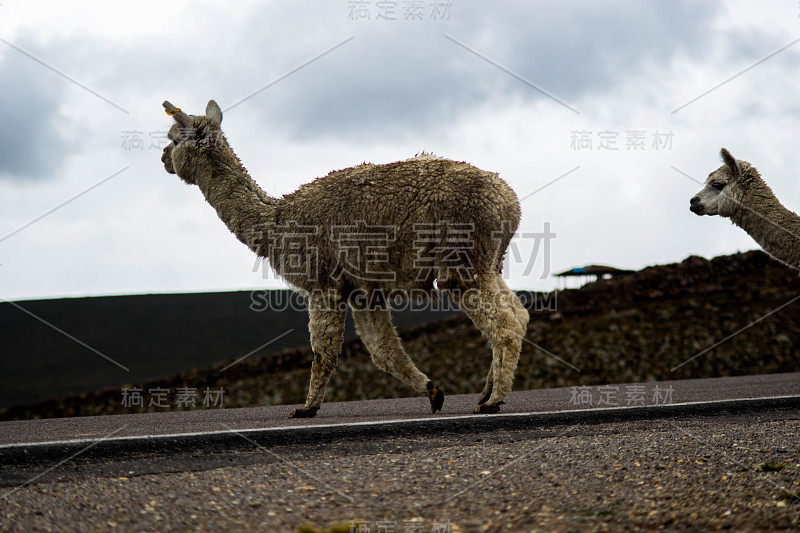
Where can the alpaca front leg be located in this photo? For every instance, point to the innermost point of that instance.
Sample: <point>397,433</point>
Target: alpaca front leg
<point>327,335</point>
<point>321,369</point>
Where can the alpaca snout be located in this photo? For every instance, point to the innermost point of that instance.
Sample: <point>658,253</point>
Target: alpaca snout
<point>166,158</point>
<point>695,206</point>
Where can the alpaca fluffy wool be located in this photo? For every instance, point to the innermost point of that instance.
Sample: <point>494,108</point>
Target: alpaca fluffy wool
<point>361,235</point>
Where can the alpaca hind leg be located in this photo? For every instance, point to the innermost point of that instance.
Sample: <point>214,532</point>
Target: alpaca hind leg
<point>326,326</point>
<point>487,305</point>
<point>375,328</point>
<point>522,315</point>
<point>520,311</point>
<point>487,389</point>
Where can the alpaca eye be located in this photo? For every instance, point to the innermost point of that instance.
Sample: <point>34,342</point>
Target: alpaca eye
<point>718,186</point>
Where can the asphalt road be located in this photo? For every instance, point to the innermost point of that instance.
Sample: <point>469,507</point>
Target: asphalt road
<point>692,460</point>
<point>623,400</point>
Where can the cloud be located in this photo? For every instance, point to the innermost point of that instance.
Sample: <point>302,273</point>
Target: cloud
<point>401,78</point>
<point>397,87</point>
<point>393,81</point>
<point>31,146</point>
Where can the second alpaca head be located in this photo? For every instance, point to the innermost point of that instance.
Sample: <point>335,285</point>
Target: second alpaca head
<point>727,188</point>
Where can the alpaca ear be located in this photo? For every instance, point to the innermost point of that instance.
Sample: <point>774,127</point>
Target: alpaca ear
<point>731,163</point>
<point>175,112</point>
<point>183,119</point>
<point>213,112</point>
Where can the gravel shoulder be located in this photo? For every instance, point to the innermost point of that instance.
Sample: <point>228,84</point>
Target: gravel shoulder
<point>735,471</point>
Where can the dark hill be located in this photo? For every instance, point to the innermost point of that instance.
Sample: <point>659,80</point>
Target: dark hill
<point>150,335</point>
<point>733,315</point>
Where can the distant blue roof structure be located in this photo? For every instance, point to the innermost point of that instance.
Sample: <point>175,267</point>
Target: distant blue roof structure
<point>594,270</point>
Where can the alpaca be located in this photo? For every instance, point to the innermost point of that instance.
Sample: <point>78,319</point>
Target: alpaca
<point>736,191</point>
<point>361,235</point>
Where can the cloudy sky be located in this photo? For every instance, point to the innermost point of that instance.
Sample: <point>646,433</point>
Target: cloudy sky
<point>603,116</point>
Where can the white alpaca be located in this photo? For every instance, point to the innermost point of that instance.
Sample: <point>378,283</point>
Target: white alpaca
<point>736,191</point>
<point>389,207</point>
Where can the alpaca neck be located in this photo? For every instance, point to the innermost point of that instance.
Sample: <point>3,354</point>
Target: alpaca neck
<point>240,203</point>
<point>773,226</point>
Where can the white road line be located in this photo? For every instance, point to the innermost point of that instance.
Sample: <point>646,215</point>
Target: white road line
<point>384,422</point>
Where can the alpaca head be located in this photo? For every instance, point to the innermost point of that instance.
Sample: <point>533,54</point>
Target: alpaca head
<point>190,135</point>
<point>726,188</point>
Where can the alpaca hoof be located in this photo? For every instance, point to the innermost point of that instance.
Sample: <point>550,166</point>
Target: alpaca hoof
<point>484,409</point>
<point>436,396</point>
<point>305,412</point>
